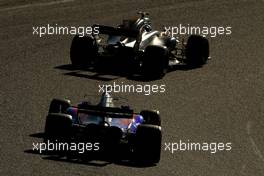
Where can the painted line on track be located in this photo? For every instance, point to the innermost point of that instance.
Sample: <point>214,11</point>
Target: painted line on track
<point>254,146</point>
<point>35,5</point>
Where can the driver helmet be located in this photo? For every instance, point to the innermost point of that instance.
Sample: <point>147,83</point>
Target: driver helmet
<point>138,119</point>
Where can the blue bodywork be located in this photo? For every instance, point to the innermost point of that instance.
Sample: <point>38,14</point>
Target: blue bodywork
<point>128,125</point>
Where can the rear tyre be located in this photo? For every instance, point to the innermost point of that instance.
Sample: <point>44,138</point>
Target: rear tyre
<point>83,51</point>
<point>197,51</point>
<point>151,117</point>
<point>58,127</point>
<point>112,141</point>
<point>155,62</point>
<point>147,147</point>
<point>59,106</point>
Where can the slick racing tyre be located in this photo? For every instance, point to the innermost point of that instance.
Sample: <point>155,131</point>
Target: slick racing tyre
<point>112,140</point>
<point>58,127</point>
<point>151,117</point>
<point>147,144</point>
<point>197,51</point>
<point>59,106</point>
<point>155,62</point>
<point>83,50</point>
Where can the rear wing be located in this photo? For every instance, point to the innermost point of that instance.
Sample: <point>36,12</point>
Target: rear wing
<point>116,31</point>
<point>112,112</point>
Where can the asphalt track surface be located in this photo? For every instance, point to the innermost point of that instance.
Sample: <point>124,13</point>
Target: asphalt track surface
<point>221,102</point>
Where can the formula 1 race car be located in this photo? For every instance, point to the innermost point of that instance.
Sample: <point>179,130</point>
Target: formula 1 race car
<point>149,51</point>
<point>112,128</point>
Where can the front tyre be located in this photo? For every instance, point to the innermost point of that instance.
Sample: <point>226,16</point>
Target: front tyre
<point>151,117</point>
<point>59,106</point>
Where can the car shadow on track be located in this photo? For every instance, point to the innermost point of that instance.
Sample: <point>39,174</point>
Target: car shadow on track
<point>111,71</point>
<point>91,159</point>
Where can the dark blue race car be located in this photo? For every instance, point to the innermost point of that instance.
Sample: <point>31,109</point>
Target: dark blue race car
<point>115,129</point>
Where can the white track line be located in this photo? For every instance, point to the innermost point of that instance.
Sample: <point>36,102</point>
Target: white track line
<point>254,146</point>
<point>35,5</point>
<point>242,171</point>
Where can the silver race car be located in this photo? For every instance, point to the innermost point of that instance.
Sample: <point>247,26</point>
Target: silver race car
<point>145,51</point>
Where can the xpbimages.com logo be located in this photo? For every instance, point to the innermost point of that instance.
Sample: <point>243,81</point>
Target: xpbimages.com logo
<point>207,31</point>
<point>145,89</point>
<point>56,146</point>
<point>212,147</point>
<point>64,30</point>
